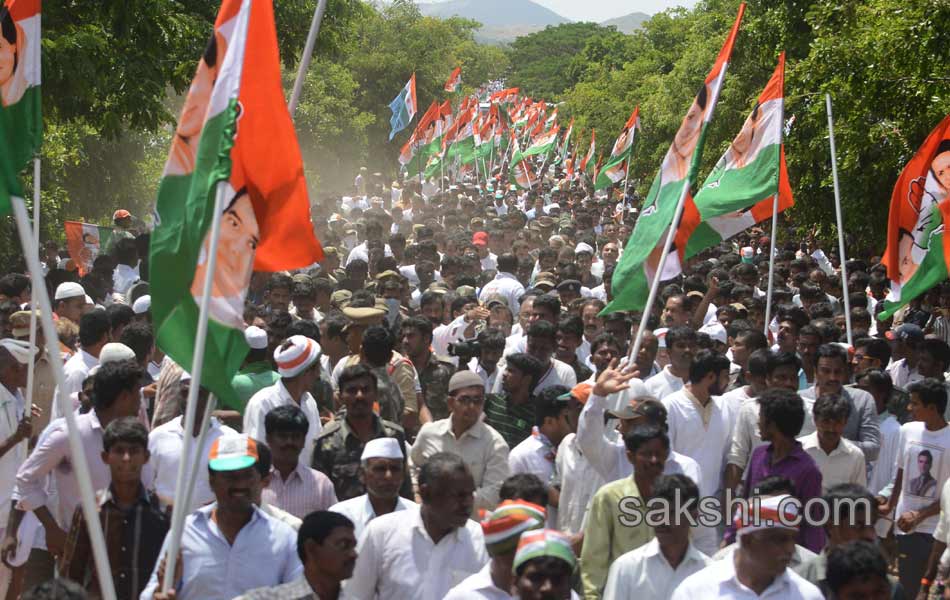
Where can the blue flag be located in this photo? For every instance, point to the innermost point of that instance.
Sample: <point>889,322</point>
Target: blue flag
<point>404,107</point>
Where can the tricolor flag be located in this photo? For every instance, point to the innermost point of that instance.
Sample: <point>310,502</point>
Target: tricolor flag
<point>85,241</point>
<point>588,161</point>
<point>520,171</point>
<point>404,107</point>
<point>619,162</point>
<point>739,191</point>
<point>409,148</point>
<point>454,81</point>
<point>567,139</point>
<point>21,119</point>
<point>639,262</point>
<point>543,143</point>
<point>917,247</point>
<point>240,136</point>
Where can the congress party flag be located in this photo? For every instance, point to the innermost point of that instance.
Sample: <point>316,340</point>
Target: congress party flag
<point>85,241</point>
<point>740,190</point>
<point>587,163</point>
<point>917,244</point>
<point>640,260</point>
<point>21,119</point>
<point>404,107</point>
<point>615,170</point>
<point>235,131</point>
<point>454,81</point>
<point>543,143</point>
<point>520,171</point>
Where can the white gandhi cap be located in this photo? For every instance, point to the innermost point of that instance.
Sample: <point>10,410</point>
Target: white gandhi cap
<point>69,289</point>
<point>382,448</point>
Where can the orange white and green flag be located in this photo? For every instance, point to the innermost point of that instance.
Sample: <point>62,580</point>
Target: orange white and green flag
<point>587,163</point>
<point>235,131</point>
<point>740,190</point>
<point>21,118</point>
<point>454,81</point>
<point>639,263</point>
<point>615,170</point>
<point>520,171</point>
<point>917,244</point>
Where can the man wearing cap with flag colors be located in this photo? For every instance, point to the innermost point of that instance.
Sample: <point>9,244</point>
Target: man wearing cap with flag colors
<point>502,528</point>
<point>759,566</point>
<point>544,563</point>
<point>298,364</point>
<point>230,546</point>
<point>382,471</point>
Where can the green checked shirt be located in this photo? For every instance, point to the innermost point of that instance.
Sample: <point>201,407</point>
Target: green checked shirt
<point>512,421</point>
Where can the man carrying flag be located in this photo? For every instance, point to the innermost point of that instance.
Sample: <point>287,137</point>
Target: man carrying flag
<point>739,191</point>
<point>454,82</point>
<point>917,247</point>
<point>643,257</point>
<point>404,107</point>
<point>618,164</point>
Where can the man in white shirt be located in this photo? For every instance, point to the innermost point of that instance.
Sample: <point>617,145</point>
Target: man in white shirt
<point>382,470</point>
<point>298,364</point>
<point>127,270</point>
<point>465,434</point>
<point>505,283</point>
<point>759,565</point>
<point>839,460</point>
<point>700,428</point>
<point>94,333</point>
<point>165,444</point>
<point>15,428</point>
<point>373,231</point>
<point>903,368</point>
<point>652,571</point>
<point>422,553</point>
<point>502,530</point>
<point>681,346</point>
<point>878,383</point>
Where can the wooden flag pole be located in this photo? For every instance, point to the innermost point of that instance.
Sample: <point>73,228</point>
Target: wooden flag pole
<point>768,296</point>
<point>31,368</point>
<point>307,56</point>
<point>90,509</point>
<point>841,255</point>
<point>179,509</point>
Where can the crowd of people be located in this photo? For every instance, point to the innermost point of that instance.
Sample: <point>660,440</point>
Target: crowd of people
<point>440,409</point>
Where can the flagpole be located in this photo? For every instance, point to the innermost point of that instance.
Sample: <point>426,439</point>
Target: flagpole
<point>655,285</point>
<point>199,447</point>
<point>31,368</point>
<point>79,460</point>
<point>841,256</point>
<point>307,56</point>
<point>182,480</point>
<point>768,297</point>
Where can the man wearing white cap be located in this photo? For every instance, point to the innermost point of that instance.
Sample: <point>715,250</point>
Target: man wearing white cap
<point>759,566</point>
<point>95,330</point>
<point>141,308</point>
<point>15,429</point>
<point>257,372</point>
<point>111,352</point>
<point>382,470</point>
<point>69,301</point>
<point>298,364</point>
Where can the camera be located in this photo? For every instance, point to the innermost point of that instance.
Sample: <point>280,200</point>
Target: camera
<point>465,351</point>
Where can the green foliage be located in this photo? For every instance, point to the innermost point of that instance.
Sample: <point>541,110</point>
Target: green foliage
<point>883,62</point>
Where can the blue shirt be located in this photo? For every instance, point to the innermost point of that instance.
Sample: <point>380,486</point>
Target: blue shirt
<point>216,570</point>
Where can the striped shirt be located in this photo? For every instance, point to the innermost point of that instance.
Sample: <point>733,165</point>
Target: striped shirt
<point>298,589</point>
<point>512,421</point>
<point>303,492</point>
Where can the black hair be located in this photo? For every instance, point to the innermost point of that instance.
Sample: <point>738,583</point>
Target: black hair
<point>783,408</point>
<point>524,486</point>
<point>542,329</point>
<point>287,418</point>
<point>93,327</point>
<point>112,379</point>
<point>551,302</point>
<point>335,324</point>
<point>440,465</point>
<point>492,339</point>
<point>878,379</point>
<point>528,365</point>
<point>753,339</point>
<point>681,333</point>
<point>14,284</point>
<point>126,251</point>
<point>936,348</point>
<point>421,325</point>
<point>55,589</point>
<point>126,429</point>
<point>306,328</point>
<point>264,459</point>
<point>357,371</point>
<point>845,499</point>
<point>507,263</point>
<point>429,297</point>
<point>546,403</point>
<point>783,359</point>
<point>931,391</point>
<point>667,486</point>
<point>858,560</point>
<point>303,289</point>
<point>775,484</point>
<point>706,362</point>
<point>280,280</point>
<point>356,264</point>
<point>120,315</point>
<point>875,348</point>
<point>833,351</point>
<point>547,564</point>
<point>572,325</point>
<point>641,434</point>
<point>831,407</point>
<point>604,339</point>
<point>138,336</point>
<point>318,526</point>
<point>759,362</point>
<point>378,344</point>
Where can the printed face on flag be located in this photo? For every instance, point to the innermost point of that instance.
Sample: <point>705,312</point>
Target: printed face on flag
<point>923,197</point>
<point>17,54</point>
<point>235,260</point>
<point>181,158</point>
<point>676,165</point>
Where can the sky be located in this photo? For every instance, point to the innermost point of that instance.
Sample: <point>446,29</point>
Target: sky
<point>601,10</point>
